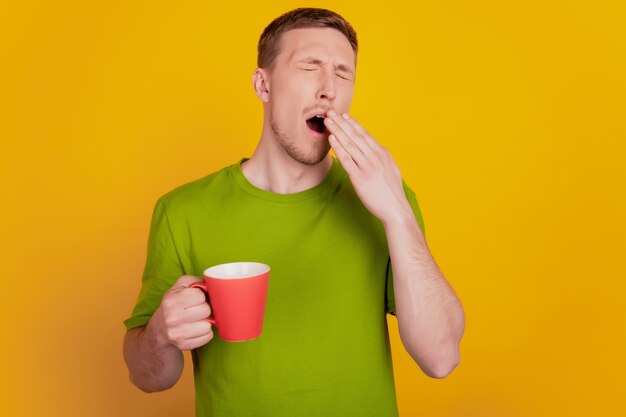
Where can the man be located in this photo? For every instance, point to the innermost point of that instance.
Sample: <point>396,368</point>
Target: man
<point>342,237</point>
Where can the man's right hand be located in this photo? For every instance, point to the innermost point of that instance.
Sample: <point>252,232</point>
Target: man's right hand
<point>180,320</point>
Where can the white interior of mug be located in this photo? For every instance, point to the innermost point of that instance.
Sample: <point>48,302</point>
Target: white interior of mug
<point>235,270</point>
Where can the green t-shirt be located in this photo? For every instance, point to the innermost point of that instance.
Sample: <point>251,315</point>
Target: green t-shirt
<point>324,350</point>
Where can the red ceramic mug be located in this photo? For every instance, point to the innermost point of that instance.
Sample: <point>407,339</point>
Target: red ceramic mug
<point>236,293</point>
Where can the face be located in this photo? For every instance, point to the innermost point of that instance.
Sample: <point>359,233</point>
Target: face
<point>313,73</point>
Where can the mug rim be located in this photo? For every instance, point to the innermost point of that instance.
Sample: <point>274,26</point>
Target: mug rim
<point>259,269</point>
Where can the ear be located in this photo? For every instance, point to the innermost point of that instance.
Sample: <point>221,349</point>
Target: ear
<point>261,85</point>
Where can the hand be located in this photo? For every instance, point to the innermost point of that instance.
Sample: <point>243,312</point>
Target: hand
<point>374,174</point>
<point>180,319</point>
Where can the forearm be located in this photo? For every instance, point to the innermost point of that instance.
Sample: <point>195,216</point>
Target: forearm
<point>153,364</point>
<point>430,316</point>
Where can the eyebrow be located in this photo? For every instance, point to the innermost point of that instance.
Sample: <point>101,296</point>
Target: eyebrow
<point>317,61</point>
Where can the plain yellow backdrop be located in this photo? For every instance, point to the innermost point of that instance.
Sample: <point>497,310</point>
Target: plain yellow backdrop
<point>506,118</point>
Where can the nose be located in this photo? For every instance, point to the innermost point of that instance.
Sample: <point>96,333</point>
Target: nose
<point>327,88</point>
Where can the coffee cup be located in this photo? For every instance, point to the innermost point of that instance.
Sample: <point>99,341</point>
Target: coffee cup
<point>236,292</point>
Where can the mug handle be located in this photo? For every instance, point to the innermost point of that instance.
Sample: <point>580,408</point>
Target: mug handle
<point>202,286</point>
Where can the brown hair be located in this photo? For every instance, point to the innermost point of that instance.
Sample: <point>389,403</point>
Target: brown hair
<point>307,17</point>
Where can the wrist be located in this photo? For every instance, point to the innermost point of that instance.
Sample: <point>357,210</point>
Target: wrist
<point>156,332</point>
<point>402,218</point>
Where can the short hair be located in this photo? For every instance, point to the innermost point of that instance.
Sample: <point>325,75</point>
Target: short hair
<point>307,17</point>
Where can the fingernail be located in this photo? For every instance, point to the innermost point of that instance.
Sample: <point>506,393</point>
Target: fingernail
<point>345,116</point>
<point>332,113</point>
<point>329,121</point>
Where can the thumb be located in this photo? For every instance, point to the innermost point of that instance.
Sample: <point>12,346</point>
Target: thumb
<point>185,281</point>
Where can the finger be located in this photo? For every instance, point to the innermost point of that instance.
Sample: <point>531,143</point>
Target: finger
<point>185,281</point>
<point>190,297</point>
<point>196,329</point>
<point>192,335</point>
<point>367,138</point>
<point>346,160</point>
<point>357,137</point>
<point>196,342</point>
<point>195,313</point>
<point>348,145</point>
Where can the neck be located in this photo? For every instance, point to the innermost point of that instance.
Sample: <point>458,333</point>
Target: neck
<point>272,169</point>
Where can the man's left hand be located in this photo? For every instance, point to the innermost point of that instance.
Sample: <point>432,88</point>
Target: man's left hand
<point>374,174</point>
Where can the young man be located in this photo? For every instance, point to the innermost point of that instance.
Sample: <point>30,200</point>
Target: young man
<point>343,238</point>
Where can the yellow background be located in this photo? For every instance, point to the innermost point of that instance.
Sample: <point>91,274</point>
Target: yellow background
<point>506,118</point>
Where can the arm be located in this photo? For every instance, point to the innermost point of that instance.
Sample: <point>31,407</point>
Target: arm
<point>153,365</point>
<point>153,353</point>
<point>430,315</point>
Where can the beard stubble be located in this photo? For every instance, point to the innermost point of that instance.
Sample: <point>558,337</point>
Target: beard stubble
<point>299,152</point>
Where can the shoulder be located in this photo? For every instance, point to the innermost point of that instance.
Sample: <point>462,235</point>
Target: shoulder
<point>195,192</point>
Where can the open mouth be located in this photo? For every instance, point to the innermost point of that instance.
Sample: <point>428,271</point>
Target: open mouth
<point>316,124</point>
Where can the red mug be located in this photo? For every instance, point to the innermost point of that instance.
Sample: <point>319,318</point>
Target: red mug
<point>236,293</point>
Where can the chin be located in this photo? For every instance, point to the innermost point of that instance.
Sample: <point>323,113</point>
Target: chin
<point>303,150</point>
<point>313,157</point>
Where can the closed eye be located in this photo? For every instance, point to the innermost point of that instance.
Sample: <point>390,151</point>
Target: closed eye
<point>314,69</point>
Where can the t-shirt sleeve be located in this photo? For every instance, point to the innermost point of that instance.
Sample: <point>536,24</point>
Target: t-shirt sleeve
<point>390,301</point>
<point>163,267</point>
